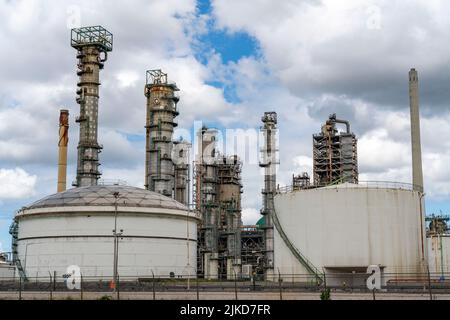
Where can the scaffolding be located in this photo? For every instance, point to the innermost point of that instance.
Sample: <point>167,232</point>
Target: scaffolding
<point>253,248</point>
<point>301,181</point>
<point>335,154</point>
<point>438,224</point>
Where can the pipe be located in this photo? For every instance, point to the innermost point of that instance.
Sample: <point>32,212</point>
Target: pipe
<point>347,124</point>
<point>62,144</point>
<point>333,119</point>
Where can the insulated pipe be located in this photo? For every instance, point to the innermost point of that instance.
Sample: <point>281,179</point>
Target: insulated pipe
<point>347,124</point>
<point>62,144</point>
<point>333,119</point>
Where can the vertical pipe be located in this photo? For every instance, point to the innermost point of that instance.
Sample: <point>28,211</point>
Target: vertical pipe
<point>415,130</point>
<point>62,144</point>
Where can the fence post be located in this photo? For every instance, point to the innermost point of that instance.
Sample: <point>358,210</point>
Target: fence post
<point>198,294</point>
<point>279,284</point>
<point>429,282</point>
<point>54,280</point>
<point>81,286</point>
<point>153,283</point>
<point>118,287</point>
<point>50,286</point>
<point>20,288</point>
<point>235,285</point>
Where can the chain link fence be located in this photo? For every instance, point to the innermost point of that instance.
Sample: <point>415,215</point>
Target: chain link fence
<point>54,286</point>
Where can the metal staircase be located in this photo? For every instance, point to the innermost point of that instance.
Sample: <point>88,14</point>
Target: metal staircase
<point>14,230</point>
<point>297,254</point>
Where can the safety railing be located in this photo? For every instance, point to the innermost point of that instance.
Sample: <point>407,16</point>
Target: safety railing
<point>361,184</point>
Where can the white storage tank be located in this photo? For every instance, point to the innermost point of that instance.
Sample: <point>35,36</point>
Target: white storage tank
<point>345,228</point>
<point>75,227</point>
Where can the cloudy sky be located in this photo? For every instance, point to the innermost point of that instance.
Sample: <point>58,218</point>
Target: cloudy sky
<point>232,60</point>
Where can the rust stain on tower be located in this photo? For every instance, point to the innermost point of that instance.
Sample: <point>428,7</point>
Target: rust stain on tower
<point>160,124</point>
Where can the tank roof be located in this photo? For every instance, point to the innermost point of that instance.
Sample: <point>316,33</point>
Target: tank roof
<point>101,195</point>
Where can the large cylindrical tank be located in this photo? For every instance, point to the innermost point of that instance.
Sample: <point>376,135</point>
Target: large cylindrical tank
<point>346,228</point>
<point>75,227</point>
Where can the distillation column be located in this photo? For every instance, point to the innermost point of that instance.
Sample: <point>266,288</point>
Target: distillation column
<point>206,199</point>
<point>92,45</point>
<point>181,155</point>
<point>269,162</point>
<point>160,123</point>
<point>415,130</point>
<point>62,144</point>
<point>229,197</point>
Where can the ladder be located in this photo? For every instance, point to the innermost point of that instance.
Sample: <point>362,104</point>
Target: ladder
<point>297,254</point>
<point>14,230</point>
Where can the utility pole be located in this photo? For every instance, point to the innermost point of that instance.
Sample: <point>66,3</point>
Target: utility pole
<point>116,242</point>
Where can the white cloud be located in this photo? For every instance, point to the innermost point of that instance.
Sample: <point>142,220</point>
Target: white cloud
<point>16,184</point>
<point>127,78</point>
<point>250,216</point>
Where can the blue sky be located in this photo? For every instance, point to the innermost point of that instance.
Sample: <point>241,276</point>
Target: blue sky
<point>232,61</point>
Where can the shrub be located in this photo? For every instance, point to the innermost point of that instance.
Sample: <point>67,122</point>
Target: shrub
<point>325,295</point>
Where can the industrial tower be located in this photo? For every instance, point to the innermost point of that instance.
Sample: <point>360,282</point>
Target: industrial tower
<point>92,45</point>
<point>335,154</point>
<point>217,195</point>
<point>229,196</point>
<point>205,197</point>
<point>160,123</point>
<point>62,144</point>
<point>269,162</point>
<point>181,156</point>
<point>415,130</point>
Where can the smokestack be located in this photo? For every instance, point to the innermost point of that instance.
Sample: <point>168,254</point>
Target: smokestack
<point>62,144</point>
<point>415,130</point>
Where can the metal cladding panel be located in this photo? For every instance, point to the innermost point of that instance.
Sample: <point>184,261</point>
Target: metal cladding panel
<point>439,253</point>
<point>350,227</point>
<point>7,271</point>
<point>150,242</point>
<point>137,257</point>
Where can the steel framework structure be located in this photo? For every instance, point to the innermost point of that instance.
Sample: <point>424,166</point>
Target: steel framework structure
<point>335,154</point>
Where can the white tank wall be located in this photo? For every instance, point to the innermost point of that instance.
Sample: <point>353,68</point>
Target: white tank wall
<point>439,253</point>
<point>7,271</point>
<point>350,227</point>
<point>153,240</point>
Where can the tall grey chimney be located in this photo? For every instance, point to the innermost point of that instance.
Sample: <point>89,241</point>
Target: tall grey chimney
<point>415,130</point>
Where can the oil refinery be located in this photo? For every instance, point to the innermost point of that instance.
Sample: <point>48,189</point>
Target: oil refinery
<point>187,221</point>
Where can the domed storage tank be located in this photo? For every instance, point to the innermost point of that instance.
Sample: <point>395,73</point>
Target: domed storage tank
<point>75,227</point>
<point>345,228</point>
